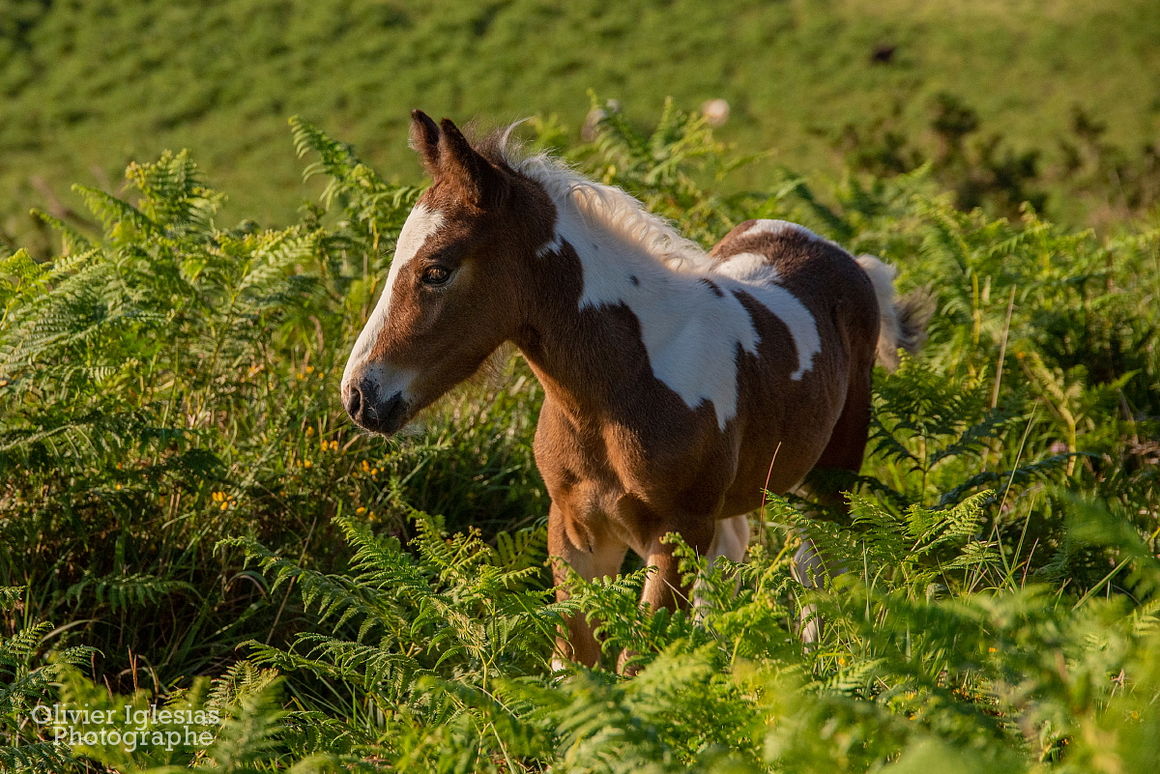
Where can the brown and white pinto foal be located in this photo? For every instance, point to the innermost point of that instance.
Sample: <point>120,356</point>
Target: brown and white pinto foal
<point>678,384</point>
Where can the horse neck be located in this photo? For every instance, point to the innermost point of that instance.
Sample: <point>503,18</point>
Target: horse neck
<point>584,333</point>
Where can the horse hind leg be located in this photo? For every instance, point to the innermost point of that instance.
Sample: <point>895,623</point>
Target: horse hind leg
<point>808,569</point>
<point>832,474</point>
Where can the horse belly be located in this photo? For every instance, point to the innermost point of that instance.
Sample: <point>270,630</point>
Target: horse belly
<point>785,432</point>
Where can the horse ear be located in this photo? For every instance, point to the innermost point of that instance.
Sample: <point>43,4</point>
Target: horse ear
<point>425,141</point>
<point>480,181</point>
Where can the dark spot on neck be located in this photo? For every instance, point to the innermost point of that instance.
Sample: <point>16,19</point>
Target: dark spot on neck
<point>712,286</point>
<point>633,279</point>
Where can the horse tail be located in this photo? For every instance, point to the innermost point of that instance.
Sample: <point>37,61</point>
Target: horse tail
<point>902,321</point>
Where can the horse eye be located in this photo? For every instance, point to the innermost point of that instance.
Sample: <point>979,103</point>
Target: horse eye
<point>436,275</point>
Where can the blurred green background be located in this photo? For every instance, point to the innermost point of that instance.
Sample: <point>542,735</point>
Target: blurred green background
<point>89,85</point>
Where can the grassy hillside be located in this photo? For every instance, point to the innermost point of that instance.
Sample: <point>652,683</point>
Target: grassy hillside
<point>187,516</point>
<point>89,86</point>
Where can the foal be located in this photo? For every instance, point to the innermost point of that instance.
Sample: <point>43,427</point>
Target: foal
<point>678,384</point>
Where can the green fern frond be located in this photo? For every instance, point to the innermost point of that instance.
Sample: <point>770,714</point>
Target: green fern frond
<point>74,241</point>
<point>123,222</point>
<point>173,194</point>
<point>126,592</point>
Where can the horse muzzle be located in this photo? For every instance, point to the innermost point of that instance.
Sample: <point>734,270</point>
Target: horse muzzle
<point>361,401</point>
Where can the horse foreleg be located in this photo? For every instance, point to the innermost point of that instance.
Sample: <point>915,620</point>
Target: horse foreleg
<point>730,539</point>
<point>664,587</point>
<point>590,555</point>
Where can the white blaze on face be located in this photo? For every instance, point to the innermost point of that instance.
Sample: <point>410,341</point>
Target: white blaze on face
<point>420,225</point>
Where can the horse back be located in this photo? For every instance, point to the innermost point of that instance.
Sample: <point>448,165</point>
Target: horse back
<point>818,272</point>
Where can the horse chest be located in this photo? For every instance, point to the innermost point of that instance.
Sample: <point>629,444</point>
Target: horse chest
<point>612,479</point>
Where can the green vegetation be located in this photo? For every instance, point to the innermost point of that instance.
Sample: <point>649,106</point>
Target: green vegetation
<point>185,501</point>
<point>89,86</point>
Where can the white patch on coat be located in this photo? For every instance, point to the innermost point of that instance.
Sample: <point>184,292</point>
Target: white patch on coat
<point>420,225</point>
<point>781,228</point>
<point>691,331</point>
<point>749,267</point>
<point>634,258</point>
<point>759,279</point>
<point>685,328</point>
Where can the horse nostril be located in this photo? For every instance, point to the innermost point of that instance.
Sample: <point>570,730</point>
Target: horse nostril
<point>361,400</point>
<point>353,402</point>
